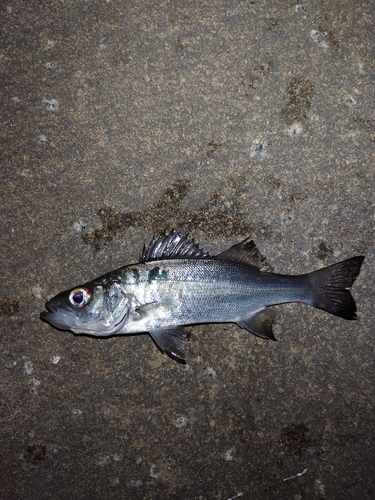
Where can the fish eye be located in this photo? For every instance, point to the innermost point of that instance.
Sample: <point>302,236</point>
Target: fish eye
<point>80,297</point>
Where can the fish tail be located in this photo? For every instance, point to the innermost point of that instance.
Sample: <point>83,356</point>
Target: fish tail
<point>331,288</point>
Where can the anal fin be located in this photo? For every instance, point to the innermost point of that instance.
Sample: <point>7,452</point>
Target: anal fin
<point>172,341</point>
<point>259,324</point>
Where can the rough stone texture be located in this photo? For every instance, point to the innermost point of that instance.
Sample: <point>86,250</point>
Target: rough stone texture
<point>223,119</point>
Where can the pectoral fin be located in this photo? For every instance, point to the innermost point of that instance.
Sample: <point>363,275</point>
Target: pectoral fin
<point>172,341</point>
<point>259,324</point>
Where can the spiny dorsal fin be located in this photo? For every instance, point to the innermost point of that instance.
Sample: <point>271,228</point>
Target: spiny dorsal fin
<point>247,253</point>
<point>172,246</point>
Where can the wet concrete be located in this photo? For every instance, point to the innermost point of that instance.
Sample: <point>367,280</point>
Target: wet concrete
<point>222,119</point>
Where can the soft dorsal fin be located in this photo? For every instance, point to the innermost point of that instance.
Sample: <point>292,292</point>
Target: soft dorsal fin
<point>172,246</point>
<point>245,252</point>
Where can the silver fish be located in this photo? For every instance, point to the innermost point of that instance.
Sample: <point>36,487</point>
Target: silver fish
<point>176,284</point>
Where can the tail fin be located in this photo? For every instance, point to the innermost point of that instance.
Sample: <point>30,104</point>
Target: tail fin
<point>331,287</point>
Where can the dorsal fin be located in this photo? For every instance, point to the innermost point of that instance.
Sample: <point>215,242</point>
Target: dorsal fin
<point>245,252</point>
<point>172,246</point>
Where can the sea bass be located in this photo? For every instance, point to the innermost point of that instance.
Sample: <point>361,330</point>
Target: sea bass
<point>177,284</point>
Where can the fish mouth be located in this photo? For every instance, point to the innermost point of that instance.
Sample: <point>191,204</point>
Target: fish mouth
<point>64,320</point>
<point>57,317</point>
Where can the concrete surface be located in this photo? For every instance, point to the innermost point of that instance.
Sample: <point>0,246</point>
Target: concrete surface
<point>224,119</point>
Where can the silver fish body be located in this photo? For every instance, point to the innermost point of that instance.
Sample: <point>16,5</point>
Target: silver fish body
<point>177,284</point>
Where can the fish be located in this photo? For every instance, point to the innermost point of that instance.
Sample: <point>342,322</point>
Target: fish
<point>176,284</point>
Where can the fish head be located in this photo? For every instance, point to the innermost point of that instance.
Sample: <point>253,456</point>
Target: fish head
<point>98,308</point>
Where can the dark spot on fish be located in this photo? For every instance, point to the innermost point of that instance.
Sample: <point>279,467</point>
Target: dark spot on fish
<point>155,274</point>
<point>213,217</point>
<point>295,439</point>
<point>323,251</point>
<point>9,306</point>
<point>36,453</point>
<point>300,92</point>
<point>136,276</point>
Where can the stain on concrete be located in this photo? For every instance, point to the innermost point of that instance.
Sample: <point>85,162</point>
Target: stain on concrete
<point>254,78</point>
<point>295,439</point>
<point>368,124</point>
<point>9,306</point>
<point>218,215</point>
<point>36,453</point>
<point>329,32</point>
<point>300,92</point>
<point>212,147</point>
<point>324,251</point>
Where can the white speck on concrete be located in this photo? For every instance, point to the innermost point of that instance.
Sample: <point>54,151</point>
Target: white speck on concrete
<point>155,471</point>
<point>49,45</point>
<point>318,38</point>
<point>302,246</point>
<point>9,9</point>
<point>209,372</point>
<point>300,9</point>
<point>228,454</point>
<point>42,139</point>
<point>49,65</point>
<point>25,172</point>
<point>30,434</point>
<point>16,99</point>
<point>28,368</point>
<point>51,105</point>
<point>297,475</point>
<point>136,483</point>
<point>33,384</point>
<point>117,457</point>
<point>286,218</point>
<point>80,74</point>
<point>77,412</point>
<point>55,359</point>
<point>350,101</point>
<point>180,422</point>
<point>103,459</point>
<point>147,78</point>
<point>360,68</point>
<point>116,481</point>
<point>319,489</point>
<point>235,496</point>
<point>14,363</point>
<point>295,130</point>
<point>258,148</point>
<point>37,291</point>
<point>79,226</point>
